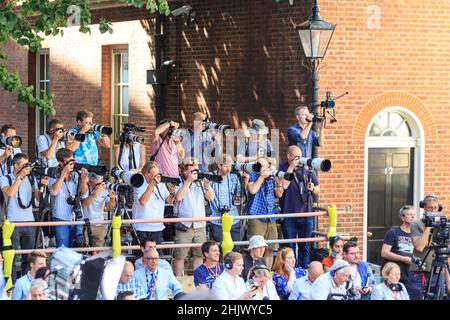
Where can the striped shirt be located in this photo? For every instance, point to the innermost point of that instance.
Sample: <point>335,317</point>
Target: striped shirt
<point>133,285</point>
<point>263,202</point>
<point>225,192</point>
<point>61,209</point>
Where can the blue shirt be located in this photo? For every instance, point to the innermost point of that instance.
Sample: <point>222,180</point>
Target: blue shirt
<point>224,193</point>
<point>22,287</point>
<point>301,290</point>
<point>134,286</point>
<point>281,282</point>
<point>263,202</point>
<point>139,263</point>
<point>87,151</point>
<point>201,148</point>
<point>204,275</point>
<point>164,280</point>
<point>291,201</point>
<point>304,144</point>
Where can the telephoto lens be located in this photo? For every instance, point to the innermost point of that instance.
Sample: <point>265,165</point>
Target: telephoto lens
<point>117,187</point>
<point>102,129</point>
<point>174,181</point>
<point>100,170</point>
<point>14,142</point>
<point>130,178</point>
<point>73,136</point>
<point>210,177</point>
<point>132,138</point>
<point>318,164</point>
<point>223,128</point>
<point>247,167</point>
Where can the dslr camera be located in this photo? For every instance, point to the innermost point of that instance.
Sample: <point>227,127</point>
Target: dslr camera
<point>222,128</point>
<point>128,134</point>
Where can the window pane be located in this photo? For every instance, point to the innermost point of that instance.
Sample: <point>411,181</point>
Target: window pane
<point>42,67</point>
<point>47,67</point>
<point>116,68</point>
<point>125,99</point>
<point>125,68</point>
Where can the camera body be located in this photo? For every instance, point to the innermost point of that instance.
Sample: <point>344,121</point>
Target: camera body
<point>128,134</point>
<point>224,209</point>
<point>14,142</point>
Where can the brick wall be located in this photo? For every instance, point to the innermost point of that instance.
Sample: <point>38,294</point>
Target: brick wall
<point>243,60</point>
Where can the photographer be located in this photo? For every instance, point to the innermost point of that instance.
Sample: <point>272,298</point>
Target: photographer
<point>204,145</point>
<point>87,151</point>
<point>167,149</point>
<point>422,237</point>
<point>263,188</point>
<point>298,198</point>
<point>47,144</point>
<point>149,201</point>
<point>398,247</point>
<point>93,203</point>
<point>138,156</point>
<point>301,135</point>
<point>190,203</point>
<point>8,130</point>
<point>224,194</point>
<point>18,189</point>
<point>64,194</point>
<point>257,145</point>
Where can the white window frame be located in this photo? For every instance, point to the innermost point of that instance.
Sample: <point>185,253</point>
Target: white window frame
<point>38,112</point>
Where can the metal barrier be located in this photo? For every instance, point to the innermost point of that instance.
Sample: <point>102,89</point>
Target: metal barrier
<point>227,243</point>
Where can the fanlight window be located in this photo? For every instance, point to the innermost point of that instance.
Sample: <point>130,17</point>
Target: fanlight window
<point>390,124</point>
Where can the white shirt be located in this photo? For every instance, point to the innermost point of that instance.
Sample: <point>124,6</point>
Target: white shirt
<point>153,209</point>
<point>301,290</point>
<point>61,209</point>
<point>382,292</point>
<point>95,211</point>
<point>123,161</point>
<point>192,205</point>
<point>323,286</point>
<point>43,143</point>
<point>269,291</point>
<point>224,288</point>
<point>356,277</point>
<point>14,211</point>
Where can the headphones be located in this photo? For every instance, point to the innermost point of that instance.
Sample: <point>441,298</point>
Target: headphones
<point>332,272</point>
<point>393,286</point>
<point>434,197</point>
<point>257,267</point>
<point>228,264</point>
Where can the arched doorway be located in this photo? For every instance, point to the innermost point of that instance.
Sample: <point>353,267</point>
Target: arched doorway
<point>394,173</point>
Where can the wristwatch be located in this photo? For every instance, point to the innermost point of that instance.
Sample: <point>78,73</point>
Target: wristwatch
<point>20,178</point>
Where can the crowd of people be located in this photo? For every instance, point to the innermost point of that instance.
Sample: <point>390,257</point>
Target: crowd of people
<point>188,175</point>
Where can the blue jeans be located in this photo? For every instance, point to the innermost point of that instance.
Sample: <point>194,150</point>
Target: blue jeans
<point>217,235</point>
<point>294,228</point>
<point>65,235</point>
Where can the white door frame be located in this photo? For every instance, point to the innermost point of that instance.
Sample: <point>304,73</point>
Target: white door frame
<point>417,141</point>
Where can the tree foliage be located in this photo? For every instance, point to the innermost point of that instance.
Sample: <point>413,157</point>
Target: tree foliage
<point>27,22</point>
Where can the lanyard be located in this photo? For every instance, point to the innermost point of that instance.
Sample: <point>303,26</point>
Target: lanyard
<point>151,285</point>
<point>211,271</point>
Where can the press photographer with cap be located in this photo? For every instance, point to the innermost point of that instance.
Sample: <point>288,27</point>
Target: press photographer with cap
<point>230,285</point>
<point>94,203</point>
<point>301,133</point>
<point>422,236</point>
<point>256,145</point>
<point>332,282</point>
<point>398,247</point>
<point>20,190</point>
<point>298,197</point>
<point>256,248</point>
<point>190,198</point>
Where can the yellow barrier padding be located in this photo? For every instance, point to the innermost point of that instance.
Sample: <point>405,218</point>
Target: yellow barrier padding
<point>116,241</point>
<point>8,255</point>
<point>227,241</point>
<point>332,223</point>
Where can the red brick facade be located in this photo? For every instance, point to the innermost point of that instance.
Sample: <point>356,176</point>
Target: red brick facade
<point>243,60</point>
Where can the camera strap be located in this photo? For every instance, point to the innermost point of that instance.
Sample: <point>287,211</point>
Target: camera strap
<point>153,156</point>
<point>19,199</point>
<point>218,202</point>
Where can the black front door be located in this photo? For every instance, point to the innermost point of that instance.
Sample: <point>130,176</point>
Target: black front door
<point>390,187</point>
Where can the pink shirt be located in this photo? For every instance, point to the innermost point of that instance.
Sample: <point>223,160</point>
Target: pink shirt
<point>167,157</point>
